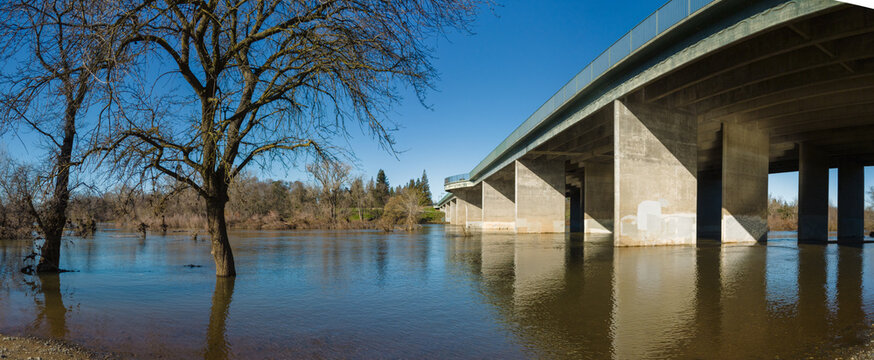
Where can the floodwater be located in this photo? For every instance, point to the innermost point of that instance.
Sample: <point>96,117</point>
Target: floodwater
<point>437,294</point>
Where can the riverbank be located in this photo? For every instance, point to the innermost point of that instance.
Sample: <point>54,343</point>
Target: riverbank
<point>31,348</point>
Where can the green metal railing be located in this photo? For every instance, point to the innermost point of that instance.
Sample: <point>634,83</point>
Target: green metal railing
<point>456,178</point>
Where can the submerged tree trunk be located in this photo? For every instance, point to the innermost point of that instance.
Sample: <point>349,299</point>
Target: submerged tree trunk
<point>218,233</point>
<point>55,217</point>
<point>50,253</point>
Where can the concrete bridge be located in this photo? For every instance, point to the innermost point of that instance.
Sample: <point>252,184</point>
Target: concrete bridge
<point>670,134</point>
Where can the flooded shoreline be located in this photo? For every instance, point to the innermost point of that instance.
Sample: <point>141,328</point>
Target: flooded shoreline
<point>437,293</point>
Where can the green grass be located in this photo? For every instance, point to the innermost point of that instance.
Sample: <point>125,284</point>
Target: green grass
<point>432,216</point>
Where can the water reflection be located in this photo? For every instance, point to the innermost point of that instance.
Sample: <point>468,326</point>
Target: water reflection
<point>566,299</point>
<point>217,345</point>
<point>51,312</point>
<point>443,294</point>
<point>654,300</point>
<point>849,290</point>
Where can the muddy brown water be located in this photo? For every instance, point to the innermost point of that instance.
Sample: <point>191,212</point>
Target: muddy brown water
<point>437,294</point>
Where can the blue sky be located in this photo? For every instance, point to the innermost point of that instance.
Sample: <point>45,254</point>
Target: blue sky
<point>519,54</point>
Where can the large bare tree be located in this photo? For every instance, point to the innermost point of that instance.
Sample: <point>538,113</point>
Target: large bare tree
<point>265,80</point>
<point>59,56</point>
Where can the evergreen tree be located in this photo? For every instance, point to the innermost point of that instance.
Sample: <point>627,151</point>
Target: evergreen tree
<point>383,190</point>
<point>426,188</point>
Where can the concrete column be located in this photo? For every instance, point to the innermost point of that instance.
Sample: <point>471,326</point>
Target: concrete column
<point>744,183</point>
<point>656,166</point>
<point>461,209</point>
<point>851,202</point>
<point>812,194</point>
<point>710,205</point>
<point>539,196</point>
<point>576,209</point>
<point>499,206</point>
<point>473,204</point>
<point>598,204</point>
<point>450,212</point>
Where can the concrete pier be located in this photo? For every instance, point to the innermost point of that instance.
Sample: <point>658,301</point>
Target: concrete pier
<point>540,196</point>
<point>598,205</point>
<point>851,202</point>
<point>461,211</point>
<point>710,204</point>
<point>812,194</point>
<point>473,198</point>
<point>656,169</point>
<point>744,184</point>
<point>499,207</point>
<point>450,212</point>
<point>575,197</point>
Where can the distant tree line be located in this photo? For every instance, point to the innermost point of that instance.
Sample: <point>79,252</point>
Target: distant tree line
<point>783,214</point>
<point>335,199</point>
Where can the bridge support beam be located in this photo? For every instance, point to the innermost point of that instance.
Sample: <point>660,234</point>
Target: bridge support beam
<point>540,196</point>
<point>461,210</point>
<point>451,208</point>
<point>812,194</point>
<point>576,208</point>
<point>499,206</point>
<point>744,183</point>
<point>656,166</point>
<point>472,199</point>
<point>710,204</point>
<point>598,205</point>
<point>851,202</point>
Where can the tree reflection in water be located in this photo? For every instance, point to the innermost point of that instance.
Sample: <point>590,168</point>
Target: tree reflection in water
<point>50,309</point>
<point>217,345</point>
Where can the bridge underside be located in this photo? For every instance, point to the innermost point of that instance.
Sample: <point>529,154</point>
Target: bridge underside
<point>688,153</point>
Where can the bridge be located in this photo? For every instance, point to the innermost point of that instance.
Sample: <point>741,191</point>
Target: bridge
<point>669,135</point>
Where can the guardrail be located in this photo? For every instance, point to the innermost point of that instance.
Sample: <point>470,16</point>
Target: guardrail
<point>662,19</point>
<point>455,178</point>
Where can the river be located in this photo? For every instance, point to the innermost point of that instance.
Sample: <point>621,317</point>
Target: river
<point>438,294</point>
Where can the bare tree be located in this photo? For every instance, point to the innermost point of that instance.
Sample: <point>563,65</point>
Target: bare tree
<point>269,79</point>
<point>61,55</point>
<point>15,191</point>
<point>358,195</point>
<point>332,176</point>
<point>405,207</point>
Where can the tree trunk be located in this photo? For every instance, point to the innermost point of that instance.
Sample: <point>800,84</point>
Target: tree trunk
<point>218,233</point>
<point>50,253</point>
<point>56,210</point>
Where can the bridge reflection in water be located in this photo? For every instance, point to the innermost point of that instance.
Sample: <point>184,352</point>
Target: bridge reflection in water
<point>563,297</point>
